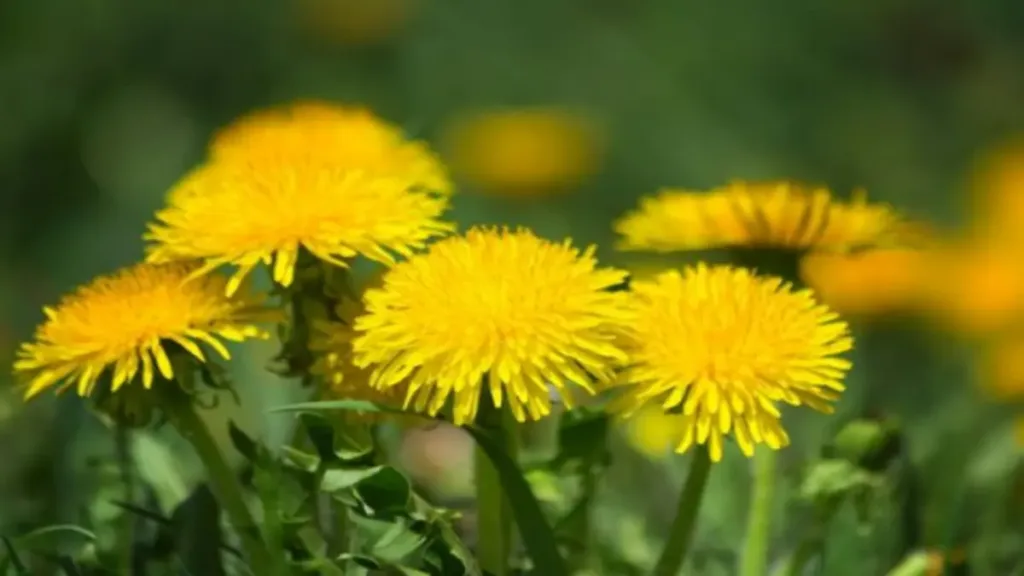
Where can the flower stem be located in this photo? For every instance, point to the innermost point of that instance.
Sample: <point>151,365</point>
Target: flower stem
<point>759,523</point>
<point>223,482</point>
<point>494,514</point>
<point>681,534</point>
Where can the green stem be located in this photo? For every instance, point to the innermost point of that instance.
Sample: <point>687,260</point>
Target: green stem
<point>759,523</point>
<point>494,513</point>
<point>122,442</point>
<point>223,482</point>
<point>681,534</point>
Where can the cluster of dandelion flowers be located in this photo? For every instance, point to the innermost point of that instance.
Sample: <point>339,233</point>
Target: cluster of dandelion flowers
<point>506,307</point>
<point>722,348</point>
<point>120,327</point>
<point>331,341</point>
<point>231,213</point>
<point>756,214</point>
<point>346,137</point>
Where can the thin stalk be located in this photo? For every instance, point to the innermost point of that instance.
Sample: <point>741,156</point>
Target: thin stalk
<point>494,513</point>
<point>223,483</point>
<point>681,534</point>
<point>759,523</point>
<point>122,446</point>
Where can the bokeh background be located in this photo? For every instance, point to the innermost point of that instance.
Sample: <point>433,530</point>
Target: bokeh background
<point>555,114</point>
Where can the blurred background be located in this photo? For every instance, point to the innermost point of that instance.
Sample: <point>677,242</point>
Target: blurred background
<point>555,114</point>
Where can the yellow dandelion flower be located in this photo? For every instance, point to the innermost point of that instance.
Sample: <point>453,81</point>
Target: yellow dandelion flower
<point>524,151</point>
<point>507,307</point>
<point>343,137</point>
<point>235,214</point>
<point>758,214</point>
<point>332,342</point>
<point>723,347</point>
<point>120,324</point>
<point>976,289</point>
<point>870,282</point>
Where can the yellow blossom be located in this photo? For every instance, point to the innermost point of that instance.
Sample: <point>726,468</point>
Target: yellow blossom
<point>868,282</point>
<point>119,325</point>
<point>312,134</point>
<point>524,151</point>
<point>722,348</point>
<point>508,308</point>
<point>232,213</point>
<point>756,214</point>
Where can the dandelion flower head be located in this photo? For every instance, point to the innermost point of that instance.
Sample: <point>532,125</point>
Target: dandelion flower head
<point>721,348</point>
<point>756,214</point>
<point>506,307</point>
<point>346,137</point>
<point>120,325</point>
<point>232,213</point>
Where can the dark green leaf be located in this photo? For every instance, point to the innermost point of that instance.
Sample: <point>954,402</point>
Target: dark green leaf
<point>537,535</point>
<point>386,492</point>
<point>320,434</point>
<point>245,445</point>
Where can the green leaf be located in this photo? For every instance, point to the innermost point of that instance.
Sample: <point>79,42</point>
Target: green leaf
<point>245,445</point>
<point>386,492</point>
<point>347,405</point>
<point>344,478</point>
<point>40,536</point>
<point>538,537</point>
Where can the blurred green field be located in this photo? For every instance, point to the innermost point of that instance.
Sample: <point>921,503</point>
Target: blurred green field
<point>105,104</point>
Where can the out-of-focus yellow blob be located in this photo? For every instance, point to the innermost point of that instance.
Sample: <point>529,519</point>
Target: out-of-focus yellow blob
<point>872,282</point>
<point>997,193</point>
<point>653,432</point>
<point>529,151</point>
<point>357,22</point>
<point>977,289</point>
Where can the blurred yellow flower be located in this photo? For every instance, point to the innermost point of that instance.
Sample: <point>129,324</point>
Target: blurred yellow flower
<point>507,307</point>
<point>332,342</point>
<point>310,135</point>
<point>868,282</point>
<point>119,325</point>
<point>997,193</point>
<point>756,214</point>
<point>244,215</point>
<point>653,432</point>
<point>524,151</point>
<point>357,22</point>
<point>722,348</point>
<point>976,289</point>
